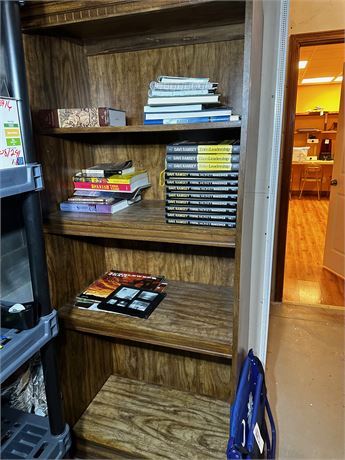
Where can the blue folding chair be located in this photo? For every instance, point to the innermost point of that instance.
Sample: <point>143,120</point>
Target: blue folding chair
<point>249,438</point>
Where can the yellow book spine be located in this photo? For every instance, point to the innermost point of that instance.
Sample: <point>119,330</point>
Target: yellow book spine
<point>214,148</point>
<point>214,158</point>
<point>214,166</point>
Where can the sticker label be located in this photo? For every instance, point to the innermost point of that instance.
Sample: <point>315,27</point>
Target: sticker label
<point>258,438</point>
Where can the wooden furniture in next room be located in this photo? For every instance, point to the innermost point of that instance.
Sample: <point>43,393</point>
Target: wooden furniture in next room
<point>311,187</point>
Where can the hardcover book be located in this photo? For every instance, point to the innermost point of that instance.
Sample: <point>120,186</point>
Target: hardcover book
<point>188,204</point>
<point>203,157</point>
<point>202,223</point>
<point>207,182</point>
<point>201,188</point>
<point>201,175</point>
<point>206,99</point>
<point>205,147</point>
<point>172,166</point>
<point>201,216</point>
<point>200,209</point>
<point>201,196</point>
<point>91,117</point>
<point>129,188</point>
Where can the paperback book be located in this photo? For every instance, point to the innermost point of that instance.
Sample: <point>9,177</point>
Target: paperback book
<point>102,208</point>
<point>203,157</point>
<point>110,281</point>
<point>131,302</point>
<point>181,166</point>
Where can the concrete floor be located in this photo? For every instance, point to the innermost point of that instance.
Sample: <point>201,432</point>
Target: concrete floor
<point>305,379</point>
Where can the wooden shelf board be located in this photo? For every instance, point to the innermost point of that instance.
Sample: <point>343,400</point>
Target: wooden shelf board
<point>102,19</point>
<point>192,317</point>
<point>144,221</point>
<point>139,128</point>
<point>134,419</point>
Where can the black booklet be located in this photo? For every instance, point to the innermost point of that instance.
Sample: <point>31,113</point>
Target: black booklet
<point>132,301</point>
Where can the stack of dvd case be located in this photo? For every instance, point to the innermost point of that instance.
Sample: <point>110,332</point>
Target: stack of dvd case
<point>201,182</point>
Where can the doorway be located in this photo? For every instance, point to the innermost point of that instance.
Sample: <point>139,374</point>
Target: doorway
<point>308,154</point>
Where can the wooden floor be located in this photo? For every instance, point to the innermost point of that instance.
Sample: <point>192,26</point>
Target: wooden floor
<point>305,280</point>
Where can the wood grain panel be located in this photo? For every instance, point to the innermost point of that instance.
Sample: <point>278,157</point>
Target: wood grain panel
<point>154,422</point>
<point>164,39</point>
<point>123,18</point>
<point>85,364</point>
<point>192,317</point>
<point>72,265</point>
<point>126,76</point>
<point>176,369</point>
<point>61,78</point>
<point>58,79</point>
<point>143,221</point>
<point>198,264</point>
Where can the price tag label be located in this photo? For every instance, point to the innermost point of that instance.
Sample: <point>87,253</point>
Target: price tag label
<point>258,438</point>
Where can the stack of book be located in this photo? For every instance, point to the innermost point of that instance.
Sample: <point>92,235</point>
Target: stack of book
<point>129,293</point>
<point>201,182</point>
<point>106,188</point>
<point>176,100</point>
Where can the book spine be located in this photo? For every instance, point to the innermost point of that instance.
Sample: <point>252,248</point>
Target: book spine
<point>83,207</point>
<point>112,187</point>
<point>203,158</point>
<point>203,223</point>
<point>203,203</point>
<point>178,121</point>
<point>200,216</point>
<point>188,80</point>
<point>200,209</point>
<point>101,180</point>
<point>205,149</point>
<point>208,99</point>
<point>201,196</point>
<point>103,116</point>
<point>172,93</point>
<point>205,182</point>
<point>202,188</point>
<point>202,166</point>
<point>200,175</point>
<point>47,118</point>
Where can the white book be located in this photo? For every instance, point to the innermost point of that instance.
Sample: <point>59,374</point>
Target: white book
<point>173,108</point>
<point>180,92</point>
<point>200,113</point>
<point>182,86</point>
<point>209,99</point>
<point>170,79</point>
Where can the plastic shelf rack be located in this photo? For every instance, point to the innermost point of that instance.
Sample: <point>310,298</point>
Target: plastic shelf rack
<point>19,346</point>
<point>25,436</point>
<point>20,179</point>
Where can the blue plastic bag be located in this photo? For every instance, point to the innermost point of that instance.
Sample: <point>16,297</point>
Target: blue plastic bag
<point>249,438</point>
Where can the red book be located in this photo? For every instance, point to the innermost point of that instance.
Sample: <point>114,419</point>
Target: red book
<point>110,187</point>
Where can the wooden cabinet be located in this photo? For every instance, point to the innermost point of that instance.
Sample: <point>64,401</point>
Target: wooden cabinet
<point>81,54</point>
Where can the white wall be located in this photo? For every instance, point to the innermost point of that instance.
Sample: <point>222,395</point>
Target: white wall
<point>316,15</point>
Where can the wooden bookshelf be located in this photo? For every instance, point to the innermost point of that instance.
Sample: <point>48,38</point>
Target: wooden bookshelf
<point>104,54</point>
<point>143,221</point>
<point>183,320</point>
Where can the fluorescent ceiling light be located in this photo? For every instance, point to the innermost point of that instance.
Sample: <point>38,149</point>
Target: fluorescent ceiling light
<point>338,79</point>
<point>317,80</point>
<point>302,64</point>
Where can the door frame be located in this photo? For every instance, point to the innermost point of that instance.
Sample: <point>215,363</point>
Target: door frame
<point>295,42</point>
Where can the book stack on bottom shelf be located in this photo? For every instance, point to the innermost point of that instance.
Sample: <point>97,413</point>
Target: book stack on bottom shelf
<point>201,182</point>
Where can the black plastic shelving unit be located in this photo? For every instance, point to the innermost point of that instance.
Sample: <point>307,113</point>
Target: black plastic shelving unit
<point>26,435</point>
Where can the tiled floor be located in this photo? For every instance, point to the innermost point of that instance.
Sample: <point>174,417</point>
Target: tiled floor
<point>305,378</point>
